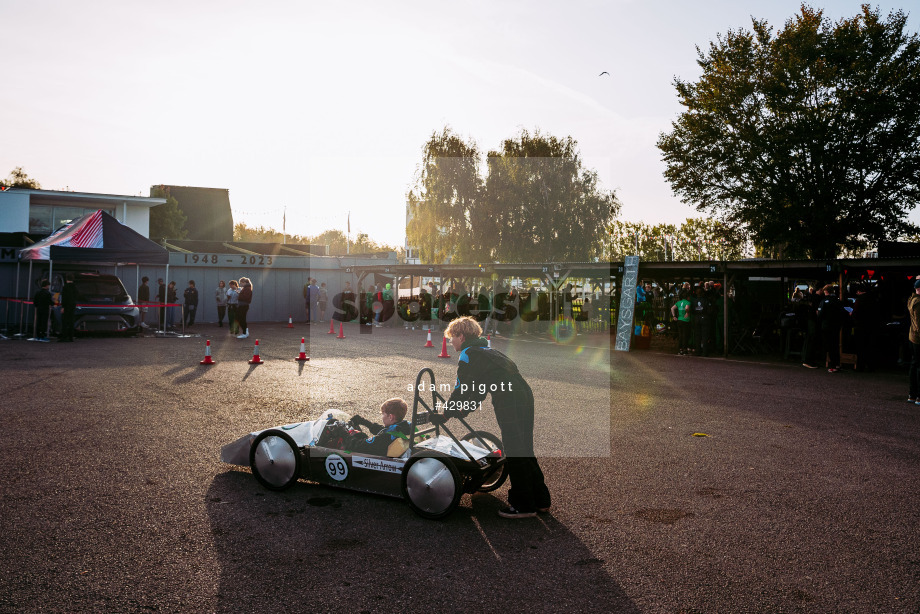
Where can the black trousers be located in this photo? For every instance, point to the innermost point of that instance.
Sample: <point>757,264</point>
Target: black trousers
<point>811,352</point>
<point>913,374</point>
<point>683,335</point>
<point>864,349</point>
<point>41,322</point>
<point>241,311</point>
<point>190,311</point>
<point>221,312</point>
<point>528,489</point>
<point>701,328</point>
<point>67,324</point>
<point>831,340</point>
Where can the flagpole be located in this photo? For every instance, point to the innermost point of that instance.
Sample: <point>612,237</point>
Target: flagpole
<point>348,236</point>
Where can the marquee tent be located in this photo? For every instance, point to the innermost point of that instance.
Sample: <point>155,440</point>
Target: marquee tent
<point>96,238</point>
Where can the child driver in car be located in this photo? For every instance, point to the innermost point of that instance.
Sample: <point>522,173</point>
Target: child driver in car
<point>393,413</point>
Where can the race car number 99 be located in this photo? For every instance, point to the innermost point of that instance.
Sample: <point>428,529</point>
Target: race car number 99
<point>336,467</point>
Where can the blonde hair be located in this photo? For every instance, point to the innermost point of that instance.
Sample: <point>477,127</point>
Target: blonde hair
<point>466,326</point>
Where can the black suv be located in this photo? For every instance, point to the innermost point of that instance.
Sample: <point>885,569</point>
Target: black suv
<point>103,304</point>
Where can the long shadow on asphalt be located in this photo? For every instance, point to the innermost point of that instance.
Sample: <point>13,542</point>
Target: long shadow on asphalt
<point>324,549</point>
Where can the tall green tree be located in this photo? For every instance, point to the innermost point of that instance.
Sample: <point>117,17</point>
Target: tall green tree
<point>19,179</point>
<point>541,204</point>
<point>443,202</point>
<point>167,221</point>
<point>537,202</point>
<point>261,234</point>
<point>695,239</point>
<point>807,139</point>
<point>707,239</point>
<point>631,239</point>
<point>335,239</point>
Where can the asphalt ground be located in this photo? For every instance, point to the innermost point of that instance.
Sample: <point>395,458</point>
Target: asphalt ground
<point>709,485</point>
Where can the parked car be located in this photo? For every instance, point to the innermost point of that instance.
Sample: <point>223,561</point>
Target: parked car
<point>103,304</point>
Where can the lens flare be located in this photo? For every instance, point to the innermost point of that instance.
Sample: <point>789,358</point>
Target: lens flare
<point>563,332</point>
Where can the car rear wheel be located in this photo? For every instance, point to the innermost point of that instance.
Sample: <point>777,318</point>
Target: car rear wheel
<point>431,485</point>
<point>275,459</point>
<point>487,441</point>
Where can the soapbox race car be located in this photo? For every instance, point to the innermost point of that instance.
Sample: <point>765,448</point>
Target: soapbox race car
<point>430,469</point>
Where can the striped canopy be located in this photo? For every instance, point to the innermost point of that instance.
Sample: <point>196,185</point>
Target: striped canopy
<point>96,237</point>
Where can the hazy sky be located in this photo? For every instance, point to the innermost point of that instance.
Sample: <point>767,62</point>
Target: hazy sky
<point>323,107</point>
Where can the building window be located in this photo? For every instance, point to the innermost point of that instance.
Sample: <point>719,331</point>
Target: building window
<point>40,219</point>
<point>45,219</point>
<point>65,215</point>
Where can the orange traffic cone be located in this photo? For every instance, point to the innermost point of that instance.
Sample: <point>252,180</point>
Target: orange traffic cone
<point>256,360</point>
<point>489,341</point>
<point>207,355</point>
<point>290,322</point>
<point>444,353</point>
<point>303,350</point>
<point>341,332</point>
<point>429,344</point>
<point>331,327</point>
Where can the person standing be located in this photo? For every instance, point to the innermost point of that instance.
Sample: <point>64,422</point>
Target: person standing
<point>349,303</point>
<point>68,308</point>
<point>220,297</point>
<point>568,295</point>
<point>191,302</point>
<point>233,302</point>
<point>424,308</point>
<point>42,302</point>
<point>699,317</point>
<point>681,314</point>
<point>242,310</point>
<point>866,321</point>
<point>913,309</point>
<point>306,298</point>
<point>143,297</point>
<point>812,348</point>
<point>388,308</point>
<point>366,297</point>
<point>172,297</point>
<point>161,300</point>
<point>830,321</point>
<point>314,301</point>
<point>481,371</point>
<point>323,301</point>
<point>375,304</point>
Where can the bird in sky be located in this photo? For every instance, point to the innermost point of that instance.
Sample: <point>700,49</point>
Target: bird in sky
<point>604,73</point>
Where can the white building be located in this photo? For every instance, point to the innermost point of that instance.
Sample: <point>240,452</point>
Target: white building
<point>41,212</point>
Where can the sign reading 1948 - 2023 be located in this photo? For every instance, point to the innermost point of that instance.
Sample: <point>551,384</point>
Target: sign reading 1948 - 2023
<point>228,259</point>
